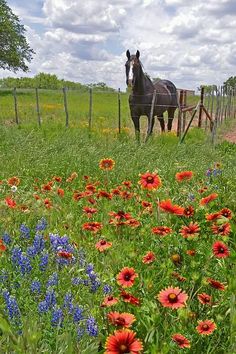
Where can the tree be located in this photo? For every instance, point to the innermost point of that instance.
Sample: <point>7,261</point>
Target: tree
<point>14,49</point>
<point>231,82</point>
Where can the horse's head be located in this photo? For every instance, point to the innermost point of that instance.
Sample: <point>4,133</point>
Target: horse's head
<point>132,67</point>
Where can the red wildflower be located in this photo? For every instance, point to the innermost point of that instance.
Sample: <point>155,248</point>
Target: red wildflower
<point>189,211</point>
<point>166,205</point>
<point>65,254</point>
<point>13,181</point>
<point>204,299</point>
<point>121,319</point>
<point>123,341</point>
<point>191,252</point>
<point>223,229</point>
<point>178,276</point>
<point>183,176</point>
<point>57,179</point>
<point>220,249</point>
<point>213,216</point>
<point>89,211</point>
<point>104,194</point>
<point>215,284</point>
<point>132,223</point>
<point>109,301</point>
<point>73,176</point>
<point>47,187</point>
<point>92,226</point>
<point>190,231</point>
<point>127,184</point>
<point>60,192</point>
<point>10,202</point>
<point>127,297</point>
<point>146,204</point>
<point>47,203</point>
<point>106,164</point>
<point>172,297</point>
<point>80,195</point>
<point>91,188</point>
<point>2,247</point>
<point>206,327</point>
<point>208,199</point>
<point>149,257</point>
<point>126,195</point>
<point>103,245</point>
<point>150,181</point>
<point>119,218</point>
<point>181,340</point>
<point>161,230</point>
<point>126,277</point>
<point>36,196</point>
<point>227,213</point>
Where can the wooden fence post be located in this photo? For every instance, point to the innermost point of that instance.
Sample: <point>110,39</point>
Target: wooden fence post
<point>90,107</point>
<point>119,117</point>
<point>179,126</point>
<point>37,106</point>
<point>184,113</point>
<point>201,106</point>
<point>65,106</point>
<point>16,106</point>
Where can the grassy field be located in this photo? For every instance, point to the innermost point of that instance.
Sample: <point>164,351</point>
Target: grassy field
<point>56,291</point>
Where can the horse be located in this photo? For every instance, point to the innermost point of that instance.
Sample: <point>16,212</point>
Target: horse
<point>143,100</point>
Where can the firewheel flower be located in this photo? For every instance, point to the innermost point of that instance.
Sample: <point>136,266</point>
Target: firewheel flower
<point>183,176</point>
<point>106,164</point>
<point>190,231</point>
<point>150,181</point>
<point>206,327</point>
<point>216,284</point>
<point>13,181</point>
<point>208,199</point>
<point>167,206</point>
<point>161,230</point>
<point>222,230</point>
<point>123,341</point>
<point>181,340</point>
<point>121,319</point>
<point>126,277</point>
<point>220,249</point>
<point>103,245</point>
<point>148,258</point>
<point>172,297</point>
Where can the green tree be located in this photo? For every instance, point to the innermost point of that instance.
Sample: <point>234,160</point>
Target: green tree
<point>14,49</point>
<point>231,82</point>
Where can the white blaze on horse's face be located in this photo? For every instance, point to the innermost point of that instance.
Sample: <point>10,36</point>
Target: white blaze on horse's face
<point>131,74</point>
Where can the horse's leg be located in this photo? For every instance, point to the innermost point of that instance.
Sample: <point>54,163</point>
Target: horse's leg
<point>162,123</point>
<point>136,122</point>
<point>171,114</point>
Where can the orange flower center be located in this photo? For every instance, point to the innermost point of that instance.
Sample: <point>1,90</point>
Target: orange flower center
<point>172,297</point>
<point>205,327</point>
<point>150,179</point>
<point>176,258</point>
<point>123,348</point>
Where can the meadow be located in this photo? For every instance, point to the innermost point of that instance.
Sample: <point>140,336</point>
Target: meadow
<point>108,246</point>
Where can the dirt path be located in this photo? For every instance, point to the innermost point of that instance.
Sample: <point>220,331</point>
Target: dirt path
<point>230,136</point>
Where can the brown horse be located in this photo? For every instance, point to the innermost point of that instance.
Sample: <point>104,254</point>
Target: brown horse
<point>140,100</point>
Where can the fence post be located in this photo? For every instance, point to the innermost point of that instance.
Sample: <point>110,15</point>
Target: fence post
<point>37,106</point>
<point>184,105</point>
<point>16,107</point>
<point>119,118</point>
<point>90,107</point>
<point>179,126</point>
<point>201,106</point>
<point>65,106</point>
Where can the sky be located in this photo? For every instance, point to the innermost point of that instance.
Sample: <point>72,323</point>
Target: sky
<point>190,42</point>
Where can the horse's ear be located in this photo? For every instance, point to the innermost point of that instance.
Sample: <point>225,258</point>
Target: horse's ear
<point>128,54</point>
<point>137,54</point>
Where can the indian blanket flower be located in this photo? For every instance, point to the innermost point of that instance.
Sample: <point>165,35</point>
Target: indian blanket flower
<point>172,297</point>
<point>227,213</point>
<point>123,341</point>
<point>178,276</point>
<point>131,299</point>
<point>216,284</point>
<point>149,257</point>
<point>106,164</point>
<point>150,181</point>
<point>213,216</point>
<point>183,176</point>
<point>13,181</point>
<point>126,277</point>
<point>205,299</point>
<point>121,319</point>
<point>161,230</point>
<point>10,202</point>
<point>167,206</point>
<point>220,249</point>
<point>206,327</point>
<point>181,340</point>
<point>109,301</point>
<point>208,199</point>
<point>222,230</point>
<point>92,226</point>
<point>103,245</point>
<point>190,231</point>
<point>89,211</point>
<point>189,211</point>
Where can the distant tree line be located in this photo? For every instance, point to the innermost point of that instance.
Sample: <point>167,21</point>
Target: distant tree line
<point>230,83</point>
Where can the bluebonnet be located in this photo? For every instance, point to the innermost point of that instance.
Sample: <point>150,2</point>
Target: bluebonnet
<point>12,308</point>
<point>6,238</point>
<point>107,289</point>
<point>81,257</point>
<point>43,307</point>
<point>44,259</point>
<point>3,276</point>
<point>24,264</point>
<point>31,251</point>
<point>35,287</point>
<point>16,255</point>
<point>68,302</point>
<point>191,196</point>
<point>53,279</point>
<point>41,225</point>
<point>57,317</point>
<point>25,231</point>
<point>76,281</point>
<point>80,332</point>
<point>50,297</point>
<point>39,243</point>
<point>91,327</point>
<point>78,314</point>
<point>95,284</point>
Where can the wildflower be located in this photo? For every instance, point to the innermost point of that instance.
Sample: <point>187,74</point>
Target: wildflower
<point>176,258</point>
<point>89,211</point>
<point>167,206</point>
<point>191,252</point>
<point>172,297</point>
<point>206,327</point>
<point>215,284</point>
<point>77,314</point>
<point>10,202</point>
<point>103,245</point>
<point>106,164</point>
<point>123,341</point>
<point>25,231</point>
<point>92,226</point>
<point>227,213</point>
<point>178,276</point>
<point>126,277</point>
<point>53,280</point>
<point>6,238</point>
<point>71,178</point>
<point>150,181</point>
<point>91,327</point>
<point>109,301</point>
<point>149,257</point>
<point>213,216</point>
<point>60,192</point>
<point>204,299</point>
<point>121,319</point>
<point>107,289</point>
<point>57,317</point>
<point>12,308</point>
<point>188,211</point>
<point>44,259</point>
<point>2,247</point>
<point>35,287</point>
<point>181,340</point>
<point>57,179</point>
<point>64,254</point>
<point>183,176</point>
<point>220,249</point>
<point>190,231</point>
<point>48,203</point>
<point>13,181</point>
<point>208,199</point>
<point>222,230</point>
<point>161,230</point>
<point>127,297</point>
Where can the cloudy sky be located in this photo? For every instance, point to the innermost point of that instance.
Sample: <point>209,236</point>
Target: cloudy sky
<point>190,42</point>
